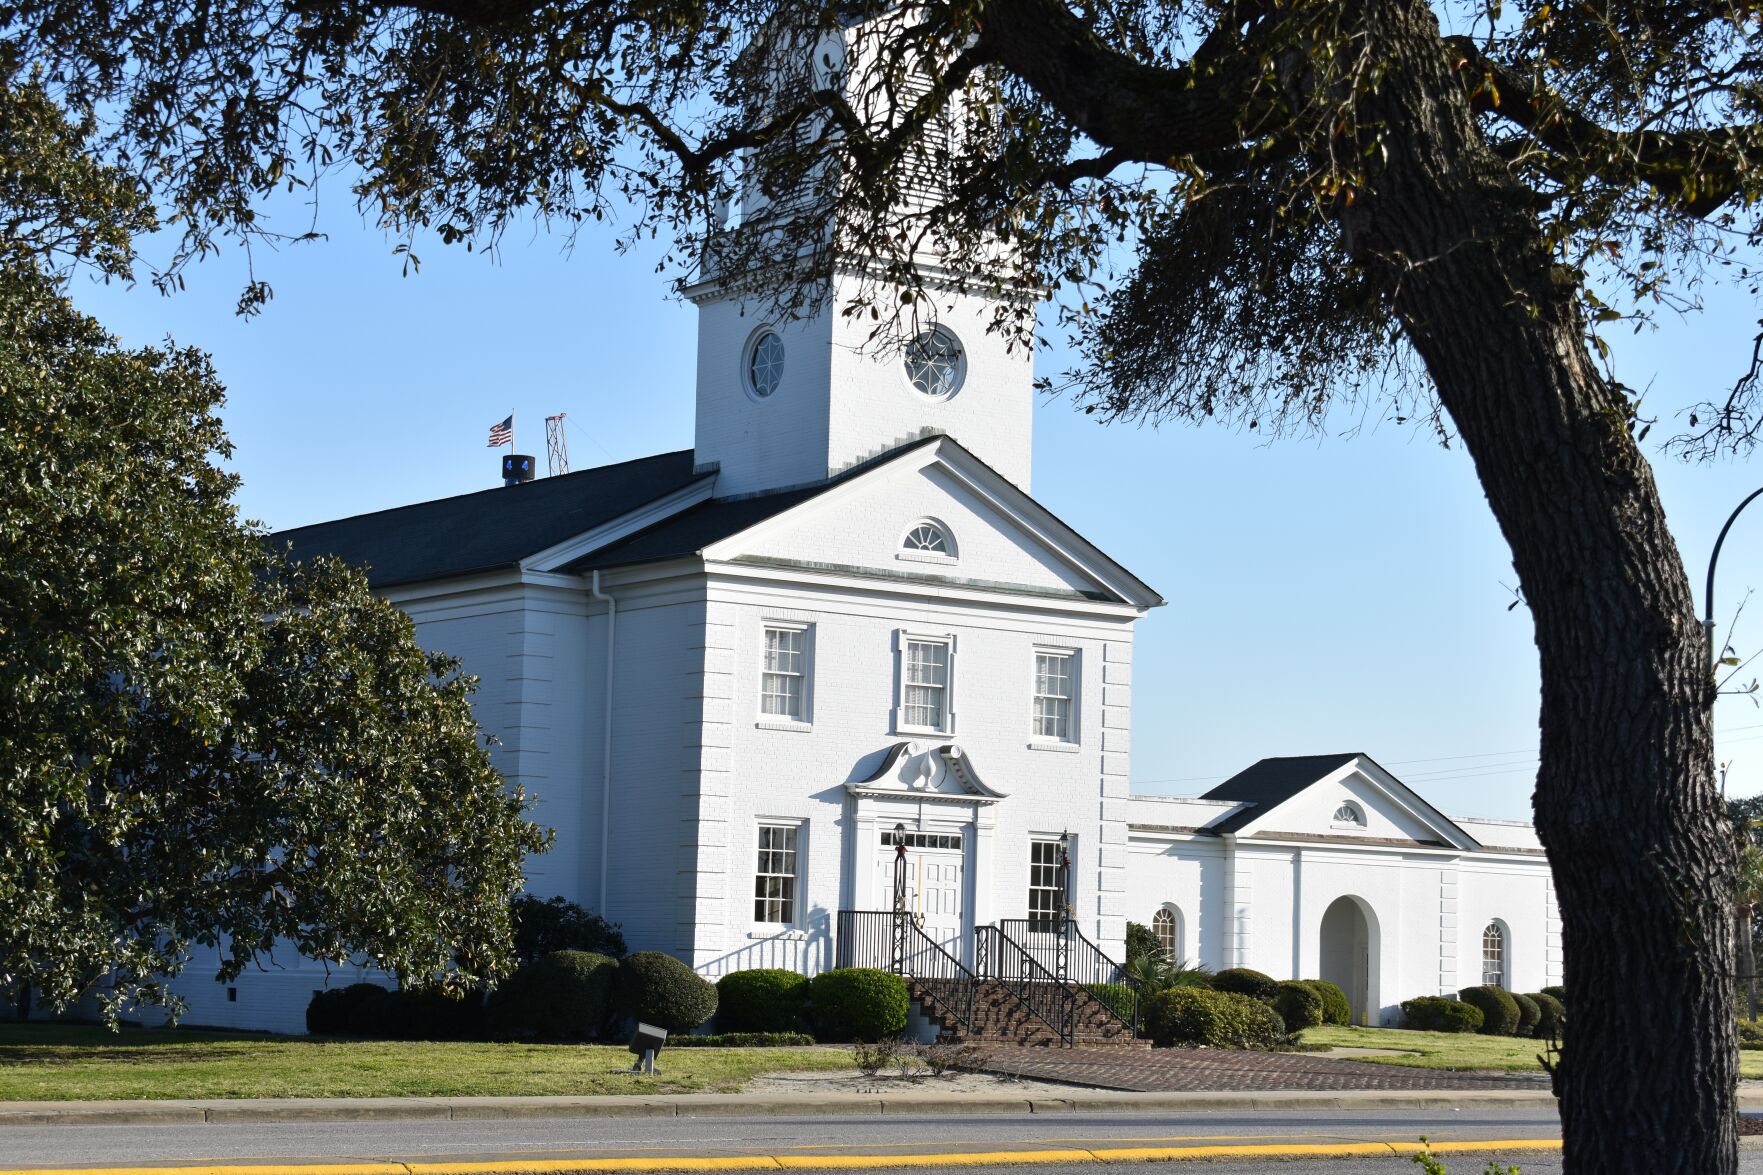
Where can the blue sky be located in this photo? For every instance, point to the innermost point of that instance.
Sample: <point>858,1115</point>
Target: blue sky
<point>1324,595</point>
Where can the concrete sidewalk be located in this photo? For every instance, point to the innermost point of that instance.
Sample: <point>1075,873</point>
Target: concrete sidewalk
<point>126,1113</point>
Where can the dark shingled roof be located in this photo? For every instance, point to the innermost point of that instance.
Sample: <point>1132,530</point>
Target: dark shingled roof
<point>491,528</point>
<point>1269,783</point>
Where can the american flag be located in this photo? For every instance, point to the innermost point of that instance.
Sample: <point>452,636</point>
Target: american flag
<point>502,434</point>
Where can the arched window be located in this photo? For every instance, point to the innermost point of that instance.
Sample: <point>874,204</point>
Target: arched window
<point>1493,955</point>
<point>1349,813</point>
<point>1166,926</point>
<point>929,537</point>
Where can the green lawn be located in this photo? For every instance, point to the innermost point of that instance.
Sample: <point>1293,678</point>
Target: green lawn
<point>1459,1050</point>
<point>56,1062</point>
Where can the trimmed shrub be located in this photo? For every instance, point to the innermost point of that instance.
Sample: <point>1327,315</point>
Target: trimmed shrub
<point>1549,1015</point>
<point>739,1040</point>
<point>1528,1015</point>
<point>1335,1007</point>
<point>1435,1013</point>
<point>545,927</point>
<point>658,989</point>
<point>565,995</point>
<point>331,1010</point>
<point>764,999</point>
<point>1499,1011</point>
<point>1298,1004</point>
<point>1190,1016</point>
<point>408,1014</point>
<point>1245,981</point>
<point>1116,997</point>
<point>857,1003</point>
<point>1558,992</point>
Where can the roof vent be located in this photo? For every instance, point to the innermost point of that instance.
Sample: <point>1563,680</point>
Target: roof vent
<point>517,469</point>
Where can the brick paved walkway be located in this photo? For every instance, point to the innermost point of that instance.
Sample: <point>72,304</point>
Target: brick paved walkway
<point>1193,1070</point>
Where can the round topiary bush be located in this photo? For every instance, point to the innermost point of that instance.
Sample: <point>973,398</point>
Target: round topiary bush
<point>764,999</point>
<point>1335,1007</point>
<point>331,1010</point>
<point>565,995</point>
<point>1558,992</point>
<point>1435,1013</point>
<point>857,1003</point>
<point>1550,1015</point>
<point>1528,1015</point>
<point>658,989</point>
<point>1499,1011</point>
<point>1185,1017</point>
<point>1245,981</point>
<point>1298,1004</point>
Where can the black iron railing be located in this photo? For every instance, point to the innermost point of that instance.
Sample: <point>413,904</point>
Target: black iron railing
<point>997,956</point>
<point>895,942</point>
<point>1063,949</point>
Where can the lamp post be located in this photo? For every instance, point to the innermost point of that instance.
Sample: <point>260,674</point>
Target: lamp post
<point>1713,560</point>
<point>1062,943</point>
<point>899,899</point>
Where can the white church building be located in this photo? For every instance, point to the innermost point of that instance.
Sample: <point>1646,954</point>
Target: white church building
<point>738,677</point>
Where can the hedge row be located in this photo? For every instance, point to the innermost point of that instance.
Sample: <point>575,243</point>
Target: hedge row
<point>1489,1010</point>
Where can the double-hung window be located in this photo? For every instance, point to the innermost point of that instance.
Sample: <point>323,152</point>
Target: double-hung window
<point>774,879</point>
<point>924,683</point>
<point>783,683</point>
<point>1055,695</point>
<point>1046,885</point>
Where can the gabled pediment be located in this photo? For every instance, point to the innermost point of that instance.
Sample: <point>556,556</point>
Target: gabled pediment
<point>1335,797</point>
<point>925,771</point>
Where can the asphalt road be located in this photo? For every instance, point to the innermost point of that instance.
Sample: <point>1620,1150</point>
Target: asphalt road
<point>24,1147</point>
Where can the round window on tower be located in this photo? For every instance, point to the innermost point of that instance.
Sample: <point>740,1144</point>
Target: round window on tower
<point>765,362</point>
<point>935,362</point>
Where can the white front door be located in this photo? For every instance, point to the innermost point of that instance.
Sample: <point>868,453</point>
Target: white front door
<point>936,885</point>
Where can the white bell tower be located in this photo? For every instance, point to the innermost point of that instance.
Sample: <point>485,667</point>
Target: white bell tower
<point>790,403</point>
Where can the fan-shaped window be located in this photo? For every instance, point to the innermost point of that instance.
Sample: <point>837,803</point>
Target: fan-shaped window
<point>928,539</point>
<point>1166,926</point>
<point>935,364</point>
<point>1349,813</point>
<point>1493,955</point>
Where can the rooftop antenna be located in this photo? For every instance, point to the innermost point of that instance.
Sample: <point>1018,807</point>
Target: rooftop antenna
<point>556,448</point>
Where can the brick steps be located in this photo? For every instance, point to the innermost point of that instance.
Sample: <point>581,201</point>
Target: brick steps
<point>1002,1017</point>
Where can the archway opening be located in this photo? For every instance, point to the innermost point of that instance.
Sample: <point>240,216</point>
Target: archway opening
<point>1347,950</point>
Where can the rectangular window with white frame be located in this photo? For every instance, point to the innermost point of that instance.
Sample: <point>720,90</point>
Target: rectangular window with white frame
<point>1046,884</point>
<point>926,677</point>
<point>783,680</point>
<point>1055,704</point>
<point>777,875</point>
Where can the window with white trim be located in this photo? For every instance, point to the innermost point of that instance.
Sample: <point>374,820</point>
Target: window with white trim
<point>929,538</point>
<point>774,879</point>
<point>1055,695</point>
<point>783,682</point>
<point>1493,955</point>
<point>1349,814</point>
<point>1166,926</point>
<point>1046,890</point>
<point>924,683</point>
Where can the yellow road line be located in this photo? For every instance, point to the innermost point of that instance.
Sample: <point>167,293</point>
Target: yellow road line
<point>1135,1154</point>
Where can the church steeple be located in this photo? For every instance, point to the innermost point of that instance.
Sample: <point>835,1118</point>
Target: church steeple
<point>792,401</point>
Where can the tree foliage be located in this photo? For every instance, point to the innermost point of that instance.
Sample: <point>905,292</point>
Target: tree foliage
<point>200,744</point>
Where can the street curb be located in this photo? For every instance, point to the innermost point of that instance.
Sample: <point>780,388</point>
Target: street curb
<point>172,1113</point>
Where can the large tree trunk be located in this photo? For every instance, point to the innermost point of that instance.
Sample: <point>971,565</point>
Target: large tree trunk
<point>1625,799</point>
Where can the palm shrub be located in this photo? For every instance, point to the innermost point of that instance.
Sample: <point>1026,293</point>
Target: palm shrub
<point>1192,1016</point>
<point>1435,1013</point>
<point>1154,973</point>
<point>1550,1015</point>
<point>1528,1015</point>
<point>565,995</point>
<point>1499,1011</point>
<point>658,989</point>
<point>857,1003</point>
<point>1298,1004</point>
<point>1246,981</point>
<point>763,999</point>
<point>1335,1007</point>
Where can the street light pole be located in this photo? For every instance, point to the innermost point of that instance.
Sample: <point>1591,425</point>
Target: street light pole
<point>1713,560</point>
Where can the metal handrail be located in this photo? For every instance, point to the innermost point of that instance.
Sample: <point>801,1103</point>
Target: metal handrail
<point>999,957</point>
<point>1063,948</point>
<point>890,941</point>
